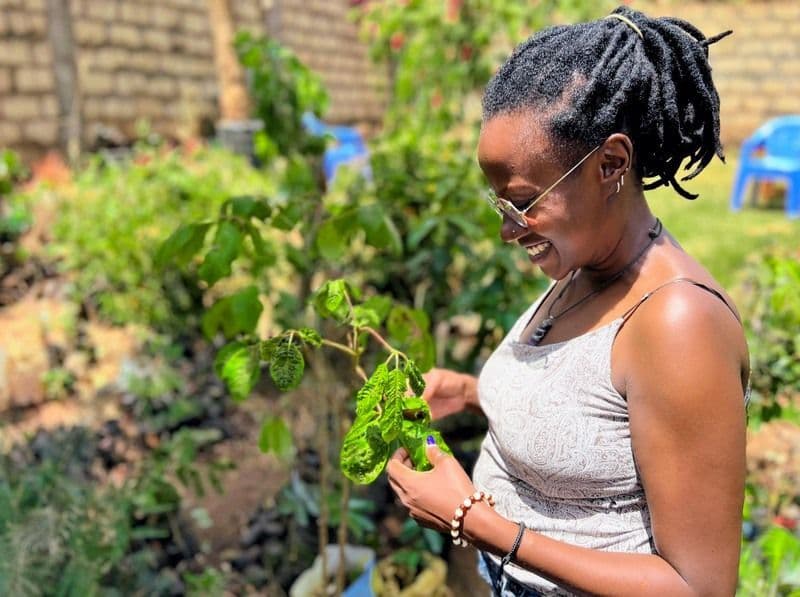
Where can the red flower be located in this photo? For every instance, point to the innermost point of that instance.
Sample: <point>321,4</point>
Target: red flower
<point>397,40</point>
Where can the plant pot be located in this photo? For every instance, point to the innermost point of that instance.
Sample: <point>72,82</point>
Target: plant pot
<point>311,584</point>
<point>431,581</point>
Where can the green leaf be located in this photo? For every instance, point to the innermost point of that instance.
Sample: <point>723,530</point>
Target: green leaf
<point>364,453</point>
<point>276,438</point>
<point>416,409</point>
<point>182,244</point>
<point>371,393</point>
<point>227,244</point>
<point>372,312</point>
<point>391,420</point>
<point>238,313</point>
<point>334,238</point>
<point>238,366</point>
<point>414,438</point>
<point>310,336</point>
<point>420,232</point>
<point>415,379</point>
<point>288,216</point>
<point>331,300</point>
<point>286,367</point>
<point>380,231</point>
<point>408,329</point>
<point>250,207</point>
<point>267,348</point>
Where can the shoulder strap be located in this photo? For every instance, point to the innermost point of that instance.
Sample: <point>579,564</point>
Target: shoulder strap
<point>716,293</point>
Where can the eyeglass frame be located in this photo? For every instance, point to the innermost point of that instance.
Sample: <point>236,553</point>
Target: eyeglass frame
<point>504,207</point>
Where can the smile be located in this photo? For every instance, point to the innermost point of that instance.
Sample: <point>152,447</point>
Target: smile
<point>537,249</point>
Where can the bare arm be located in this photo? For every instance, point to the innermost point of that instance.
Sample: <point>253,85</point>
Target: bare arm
<point>449,392</point>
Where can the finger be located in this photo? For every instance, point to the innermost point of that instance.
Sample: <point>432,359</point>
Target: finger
<point>400,454</point>
<point>434,452</point>
<point>397,470</point>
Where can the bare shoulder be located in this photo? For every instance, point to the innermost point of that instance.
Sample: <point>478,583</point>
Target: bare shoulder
<point>687,319</point>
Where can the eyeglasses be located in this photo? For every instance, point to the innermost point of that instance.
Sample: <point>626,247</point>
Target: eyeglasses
<point>505,207</point>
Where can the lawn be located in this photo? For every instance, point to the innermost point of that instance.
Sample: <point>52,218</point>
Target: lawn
<point>723,241</point>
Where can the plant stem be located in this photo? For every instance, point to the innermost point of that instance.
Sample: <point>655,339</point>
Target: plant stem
<point>383,342</point>
<point>338,346</point>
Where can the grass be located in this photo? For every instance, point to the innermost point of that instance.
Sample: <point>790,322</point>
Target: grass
<point>723,241</point>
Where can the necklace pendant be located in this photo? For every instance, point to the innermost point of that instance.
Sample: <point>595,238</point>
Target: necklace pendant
<point>540,332</point>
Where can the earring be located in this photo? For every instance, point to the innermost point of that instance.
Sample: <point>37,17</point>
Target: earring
<point>619,186</point>
<point>622,180</point>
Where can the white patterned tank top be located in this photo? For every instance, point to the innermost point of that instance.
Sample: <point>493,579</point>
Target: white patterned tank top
<point>557,455</point>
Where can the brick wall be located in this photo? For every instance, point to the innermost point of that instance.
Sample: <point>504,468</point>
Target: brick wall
<point>153,59</point>
<point>28,106</point>
<point>757,69</point>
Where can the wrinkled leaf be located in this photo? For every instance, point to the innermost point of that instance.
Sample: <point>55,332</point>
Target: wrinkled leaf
<point>310,336</point>
<point>415,379</point>
<point>286,367</point>
<point>331,300</point>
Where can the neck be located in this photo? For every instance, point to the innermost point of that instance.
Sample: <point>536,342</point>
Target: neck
<point>631,239</point>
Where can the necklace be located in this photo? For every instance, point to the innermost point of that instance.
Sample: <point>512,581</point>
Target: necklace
<point>541,331</point>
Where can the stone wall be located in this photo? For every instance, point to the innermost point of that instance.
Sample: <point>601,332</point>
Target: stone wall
<point>757,69</point>
<point>152,59</point>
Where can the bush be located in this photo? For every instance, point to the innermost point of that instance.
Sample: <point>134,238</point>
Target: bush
<point>772,317</point>
<point>110,221</point>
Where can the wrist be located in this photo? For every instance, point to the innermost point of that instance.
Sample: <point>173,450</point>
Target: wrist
<point>480,525</point>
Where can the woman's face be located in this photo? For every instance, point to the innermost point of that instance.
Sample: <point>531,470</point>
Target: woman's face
<point>518,158</point>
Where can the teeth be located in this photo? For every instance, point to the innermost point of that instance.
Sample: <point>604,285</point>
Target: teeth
<point>538,249</point>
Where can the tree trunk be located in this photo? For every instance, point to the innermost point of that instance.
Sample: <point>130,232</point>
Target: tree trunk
<point>69,109</point>
<point>234,103</point>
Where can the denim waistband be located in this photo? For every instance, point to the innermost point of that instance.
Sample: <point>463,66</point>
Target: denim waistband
<point>509,587</point>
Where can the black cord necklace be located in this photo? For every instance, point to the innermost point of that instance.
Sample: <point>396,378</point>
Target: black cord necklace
<point>541,331</point>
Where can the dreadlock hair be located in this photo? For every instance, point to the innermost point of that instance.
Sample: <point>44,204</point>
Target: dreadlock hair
<point>646,77</point>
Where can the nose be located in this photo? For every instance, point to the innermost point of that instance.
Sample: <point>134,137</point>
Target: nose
<point>511,231</point>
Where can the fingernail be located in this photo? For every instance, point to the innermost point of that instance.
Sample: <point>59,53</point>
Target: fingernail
<point>431,440</point>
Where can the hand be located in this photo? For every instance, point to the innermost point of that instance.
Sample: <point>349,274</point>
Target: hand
<point>448,392</point>
<point>430,496</point>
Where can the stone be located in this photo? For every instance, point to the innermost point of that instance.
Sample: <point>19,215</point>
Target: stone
<point>14,52</point>
<point>89,31</point>
<point>34,79</point>
<point>20,107</point>
<point>10,133</point>
<point>41,131</point>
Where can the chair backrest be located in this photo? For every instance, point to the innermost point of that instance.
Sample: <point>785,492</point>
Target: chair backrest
<point>781,137</point>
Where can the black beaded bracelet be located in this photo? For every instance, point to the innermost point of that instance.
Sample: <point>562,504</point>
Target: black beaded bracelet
<point>510,555</point>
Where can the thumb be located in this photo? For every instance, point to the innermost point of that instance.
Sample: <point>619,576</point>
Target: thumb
<point>434,452</point>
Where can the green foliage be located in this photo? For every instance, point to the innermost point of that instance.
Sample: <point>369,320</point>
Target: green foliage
<point>283,89</point>
<point>11,170</point>
<point>770,565</point>
<point>772,315</point>
<point>112,219</point>
<point>61,534</point>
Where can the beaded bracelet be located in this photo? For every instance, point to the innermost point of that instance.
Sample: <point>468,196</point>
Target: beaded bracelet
<point>457,522</point>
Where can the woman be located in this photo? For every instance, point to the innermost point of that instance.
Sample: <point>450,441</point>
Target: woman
<point>616,404</point>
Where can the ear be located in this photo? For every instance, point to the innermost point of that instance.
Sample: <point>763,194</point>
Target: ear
<point>616,157</point>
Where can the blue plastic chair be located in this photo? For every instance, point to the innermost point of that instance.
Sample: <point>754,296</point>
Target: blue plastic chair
<point>349,147</point>
<point>771,153</point>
